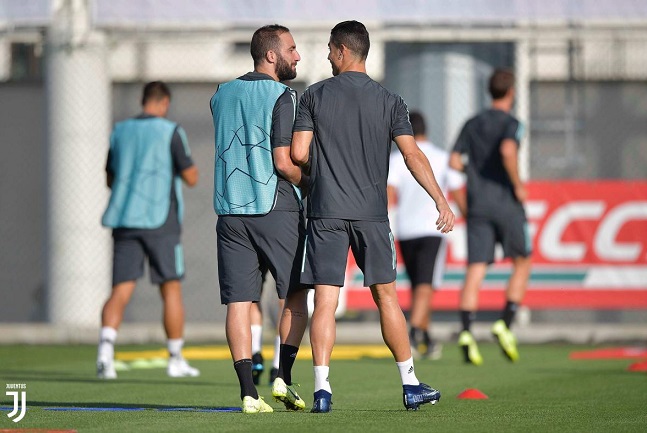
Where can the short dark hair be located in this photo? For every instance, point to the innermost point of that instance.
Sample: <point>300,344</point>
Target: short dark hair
<point>155,90</point>
<point>501,80</point>
<point>353,35</point>
<point>417,123</point>
<point>265,39</point>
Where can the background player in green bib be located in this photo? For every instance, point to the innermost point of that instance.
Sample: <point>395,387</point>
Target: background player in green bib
<point>148,159</point>
<point>495,213</point>
<point>260,219</point>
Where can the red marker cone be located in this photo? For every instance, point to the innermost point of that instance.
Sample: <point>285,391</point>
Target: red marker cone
<point>472,394</point>
<point>638,366</point>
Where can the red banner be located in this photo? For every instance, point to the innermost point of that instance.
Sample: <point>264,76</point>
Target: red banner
<point>589,251</point>
<point>580,223</point>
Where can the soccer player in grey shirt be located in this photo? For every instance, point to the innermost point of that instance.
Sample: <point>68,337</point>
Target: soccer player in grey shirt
<point>351,120</point>
<point>495,213</point>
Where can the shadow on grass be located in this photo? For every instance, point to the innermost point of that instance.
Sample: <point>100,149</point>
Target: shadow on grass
<point>119,406</point>
<point>594,373</point>
<point>20,376</point>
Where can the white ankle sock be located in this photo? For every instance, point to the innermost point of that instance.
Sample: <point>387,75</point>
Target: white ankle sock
<point>257,338</point>
<point>321,378</point>
<point>277,352</point>
<point>106,350</point>
<point>175,346</point>
<point>407,373</point>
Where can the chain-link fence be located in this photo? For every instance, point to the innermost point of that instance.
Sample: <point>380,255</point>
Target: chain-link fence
<point>584,101</point>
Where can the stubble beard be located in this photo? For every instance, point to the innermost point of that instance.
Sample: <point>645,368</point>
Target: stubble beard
<point>284,70</point>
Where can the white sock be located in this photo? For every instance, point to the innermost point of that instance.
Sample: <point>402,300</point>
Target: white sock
<point>257,338</point>
<point>277,352</point>
<point>407,373</point>
<point>107,337</point>
<point>175,346</point>
<point>321,378</point>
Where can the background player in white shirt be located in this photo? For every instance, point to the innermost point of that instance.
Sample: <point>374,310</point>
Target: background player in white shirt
<point>422,246</point>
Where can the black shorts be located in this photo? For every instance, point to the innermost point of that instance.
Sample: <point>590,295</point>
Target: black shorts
<point>424,260</point>
<point>507,226</point>
<point>248,246</point>
<point>131,247</point>
<point>326,253</point>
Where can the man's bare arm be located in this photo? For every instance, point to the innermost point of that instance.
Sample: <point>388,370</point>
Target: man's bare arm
<point>460,198</point>
<point>456,161</point>
<point>190,176</point>
<point>285,166</point>
<point>300,148</point>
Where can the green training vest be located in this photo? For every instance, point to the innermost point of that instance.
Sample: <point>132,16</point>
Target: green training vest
<point>245,181</point>
<point>143,174</point>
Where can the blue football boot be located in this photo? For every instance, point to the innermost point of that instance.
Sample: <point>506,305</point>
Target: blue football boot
<point>415,395</point>
<point>323,403</point>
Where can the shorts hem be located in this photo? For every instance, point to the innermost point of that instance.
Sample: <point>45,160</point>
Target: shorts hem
<point>305,284</point>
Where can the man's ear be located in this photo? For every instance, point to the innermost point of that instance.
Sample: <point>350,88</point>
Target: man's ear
<point>270,56</point>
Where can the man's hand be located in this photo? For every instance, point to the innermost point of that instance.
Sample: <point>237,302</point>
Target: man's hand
<point>521,193</point>
<point>445,222</point>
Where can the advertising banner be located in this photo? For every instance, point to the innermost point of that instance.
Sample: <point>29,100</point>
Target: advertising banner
<point>589,252</point>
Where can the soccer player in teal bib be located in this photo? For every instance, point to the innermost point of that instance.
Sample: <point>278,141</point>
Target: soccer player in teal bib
<point>148,160</point>
<point>343,132</point>
<point>260,225</point>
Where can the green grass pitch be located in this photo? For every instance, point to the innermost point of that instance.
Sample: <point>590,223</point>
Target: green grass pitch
<point>544,392</point>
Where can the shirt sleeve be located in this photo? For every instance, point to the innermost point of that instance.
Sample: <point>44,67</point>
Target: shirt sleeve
<point>401,123</point>
<point>462,145</point>
<point>304,120</point>
<point>180,151</point>
<point>109,168</point>
<point>109,162</point>
<point>283,119</point>
<point>514,131</point>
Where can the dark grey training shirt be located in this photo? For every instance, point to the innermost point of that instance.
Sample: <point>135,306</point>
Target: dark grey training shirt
<point>488,183</point>
<point>354,120</point>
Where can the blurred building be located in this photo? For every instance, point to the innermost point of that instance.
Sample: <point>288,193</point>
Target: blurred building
<point>70,68</point>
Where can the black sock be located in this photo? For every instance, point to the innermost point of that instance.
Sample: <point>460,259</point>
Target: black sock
<point>467,317</point>
<point>243,369</point>
<point>508,313</point>
<point>413,335</point>
<point>426,339</point>
<point>418,335</point>
<point>257,358</point>
<point>288,354</point>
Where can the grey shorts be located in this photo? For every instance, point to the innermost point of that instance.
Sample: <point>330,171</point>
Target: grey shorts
<point>508,227</point>
<point>248,246</point>
<point>131,247</point>
<point>326,252</point>
<point>424,260</point>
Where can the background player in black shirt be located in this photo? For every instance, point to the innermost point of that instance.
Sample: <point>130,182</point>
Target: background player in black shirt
<point>495,213</point>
